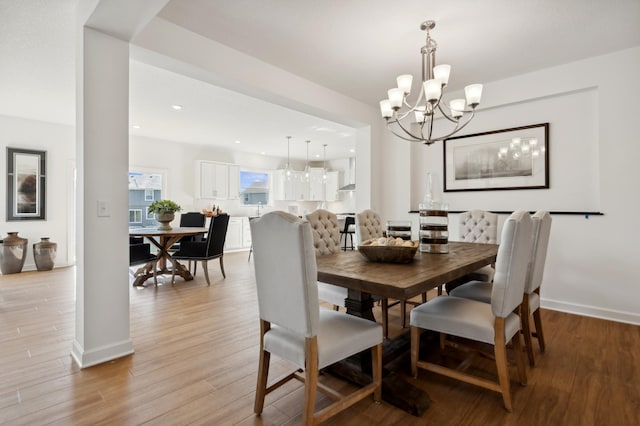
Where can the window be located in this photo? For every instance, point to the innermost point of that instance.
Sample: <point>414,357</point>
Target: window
<point>145,186</point>
<point>135,215</point>
<point>254,187</point>
<point>150,216</point>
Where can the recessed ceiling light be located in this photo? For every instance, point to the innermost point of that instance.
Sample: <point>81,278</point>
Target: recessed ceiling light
<point>237,142</point>
<point>263,153</point>
<point>135,126</point>
<point>176,107</point>
<point>352,150</point>
<point>317,155</point>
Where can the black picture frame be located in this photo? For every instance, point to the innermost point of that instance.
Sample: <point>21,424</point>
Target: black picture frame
<point>506,159</point>
<point>26,184</point>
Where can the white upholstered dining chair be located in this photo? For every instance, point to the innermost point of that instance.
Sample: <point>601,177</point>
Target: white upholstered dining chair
<point>292,325</point>
<point>368,226</point>
<point>481,290</point>
<point>326,240</point>
<point>496,324</point>
<point>476,226</point>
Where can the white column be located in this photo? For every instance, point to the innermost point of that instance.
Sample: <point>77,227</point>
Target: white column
<point>102,132</point>
<point>102,285</point>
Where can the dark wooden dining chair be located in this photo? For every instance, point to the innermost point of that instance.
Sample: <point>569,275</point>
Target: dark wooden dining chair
<point>204,251</point>
<point>190,220</point>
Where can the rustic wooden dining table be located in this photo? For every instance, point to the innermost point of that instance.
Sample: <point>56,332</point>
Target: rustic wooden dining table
<point>163,240</point>
<point>363,279</point>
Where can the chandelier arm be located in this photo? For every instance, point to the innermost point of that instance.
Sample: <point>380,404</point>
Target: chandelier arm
<point>399,123</point>
<point>457,129</point>
<point>399,135</point>
<point>453,120</point>
<point>428,141</point>
<point>413,108</point>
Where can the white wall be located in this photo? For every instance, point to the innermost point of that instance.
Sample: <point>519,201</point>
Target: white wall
<point>590,105</point>
<point>59,142</point>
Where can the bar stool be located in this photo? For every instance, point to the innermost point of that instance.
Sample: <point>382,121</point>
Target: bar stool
<point>348,231</point>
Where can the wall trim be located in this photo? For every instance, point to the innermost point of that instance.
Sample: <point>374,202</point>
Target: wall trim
<point>591,311</point>
<point>102,354</point>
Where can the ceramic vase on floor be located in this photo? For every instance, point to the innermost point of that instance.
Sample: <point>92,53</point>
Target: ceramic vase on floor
<point>44,254</point>
<point>13,252</point>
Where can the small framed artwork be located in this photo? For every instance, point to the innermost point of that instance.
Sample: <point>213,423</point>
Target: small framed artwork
<point>26,184</point>
<point>516,158</point>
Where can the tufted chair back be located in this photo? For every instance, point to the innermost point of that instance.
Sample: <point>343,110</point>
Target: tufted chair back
<point>368,225</point>
<point>479,226</point>
<point>325,230</point>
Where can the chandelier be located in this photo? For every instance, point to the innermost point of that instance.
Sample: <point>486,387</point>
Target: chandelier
<point>416,123</point>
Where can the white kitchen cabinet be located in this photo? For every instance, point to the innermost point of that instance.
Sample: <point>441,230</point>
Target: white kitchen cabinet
<point>290,188</point>
<point>246,233</point>
<point>234,182</point>
<point>212,180</point>
<point>316,184</point>
<point>238,234</point>
<point>234,234</point>
<point>332,185</point>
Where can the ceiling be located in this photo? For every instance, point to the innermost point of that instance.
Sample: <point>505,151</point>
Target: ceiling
<point>356,47</point>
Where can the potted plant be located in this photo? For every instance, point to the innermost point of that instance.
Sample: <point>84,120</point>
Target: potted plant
<point>165,212</point>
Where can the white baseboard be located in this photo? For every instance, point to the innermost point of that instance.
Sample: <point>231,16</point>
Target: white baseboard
<point>102,354</point>
<point>592,311</point>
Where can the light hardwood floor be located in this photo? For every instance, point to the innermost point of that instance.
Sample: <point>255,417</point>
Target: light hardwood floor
<point>196,356</point>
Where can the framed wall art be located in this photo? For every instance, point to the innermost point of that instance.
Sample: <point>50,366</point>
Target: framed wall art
<point>516,158</point>
<point>26,184</point>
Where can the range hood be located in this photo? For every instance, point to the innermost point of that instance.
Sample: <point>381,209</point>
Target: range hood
<point>351,176</point>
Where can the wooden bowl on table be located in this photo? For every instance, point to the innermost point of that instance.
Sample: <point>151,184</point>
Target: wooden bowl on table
<point>392,250</point>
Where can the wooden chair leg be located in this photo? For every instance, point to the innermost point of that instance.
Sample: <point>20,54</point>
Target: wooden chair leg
<point>195,267</point>
<point>403,312</point>
<point>222,267</point>
<point>261,387</point>
<point>415,350</point>
<point>443,341</point>
<point>538,322</point>
<point>205,266</point>
<point>525,316</point>
<point>385,317</point>
<point>424,297</point>
<point>376,366</point>
<point>263,371</point>
<point>500,350</point>
<point>311,380</point>
<point>522,368</point>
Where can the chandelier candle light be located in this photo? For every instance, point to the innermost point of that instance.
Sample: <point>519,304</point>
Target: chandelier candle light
<point>434,79</point>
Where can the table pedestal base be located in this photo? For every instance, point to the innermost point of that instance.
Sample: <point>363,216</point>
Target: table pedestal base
<point>146,272</point>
